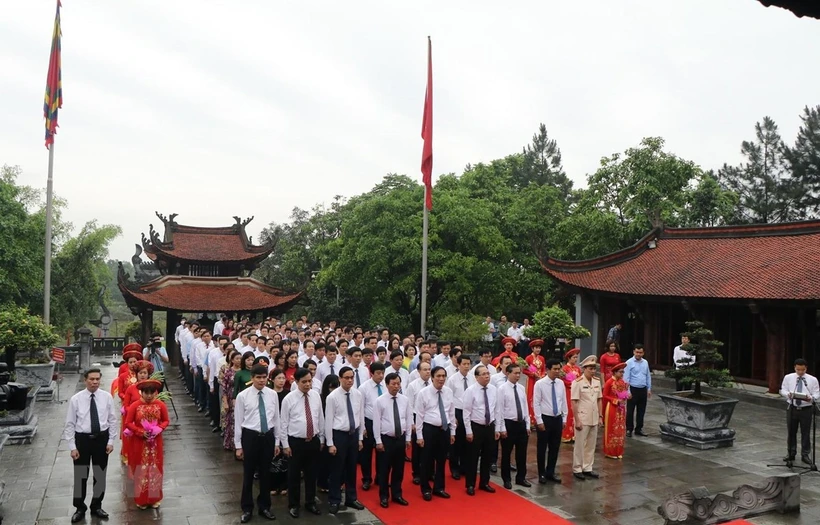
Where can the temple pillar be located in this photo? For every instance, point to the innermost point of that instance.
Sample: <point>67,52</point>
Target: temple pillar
<point>173,318</point>
<point>650,334</point>
<point>775,322</point>
<point>586,316</point>
<point>147,319</point>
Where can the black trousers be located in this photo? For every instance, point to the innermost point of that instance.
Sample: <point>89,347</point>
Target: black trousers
<point>433,456</point>
<point>799,417</point>
<point>481,448</point>
<point>186,373</point>
<point>458,450</point>
<point>304,455</point>
<point>366,457</point>
<point>638,401</point>
<point>92,459</point>
<point>517,438</point>
<point>392,463</point>
<point>343,468</point>
<point>204,390</point>
<point>257,449</point>
<point>214,405</point>
<point>416,457</point>
<point>548,440</point>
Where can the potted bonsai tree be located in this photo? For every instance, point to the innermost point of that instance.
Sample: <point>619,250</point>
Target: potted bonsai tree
<point>694,418</point>
<point>551,324</point>
<point>21,332</point>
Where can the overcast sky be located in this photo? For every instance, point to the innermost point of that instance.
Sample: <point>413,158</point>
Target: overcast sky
<point>211,109</point>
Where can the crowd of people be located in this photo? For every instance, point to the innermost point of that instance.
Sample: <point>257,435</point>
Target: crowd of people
<point>340,409</point>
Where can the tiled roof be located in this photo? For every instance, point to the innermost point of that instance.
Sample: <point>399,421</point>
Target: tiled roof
<point>192,243</point>
<point>764,262</point>
<point>206,294</point>
<point>800,8</point>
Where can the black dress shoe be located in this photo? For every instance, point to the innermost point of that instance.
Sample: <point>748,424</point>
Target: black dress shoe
<point>366,485</point>
<point>806,459</point>
<point>313,509</point>
<point>542,480</point>
<point>456,476</point>
<point>493,468</point>
<point>401,501</point>
<point>294,512</point>
<point>416,481</point>
<point>641,433</point>
<point>471,491</point>
<point>333,509</point>
<point>629,433</point>
<point>579,476</point>
<point>524,483</point>
<point>441,494</point>
<point>426,496</point>
<point>383,503</point>
<point>554,478</point>
<point>592,474</point>
<point>513,468</point>
<point>246,517</point>
<point>77,516</point>
<point>788,458</point>
<point>267,514</point>
<point>487,488</point>
<point>100,514</point>
<point>508,485</point>
<point>356,504</point>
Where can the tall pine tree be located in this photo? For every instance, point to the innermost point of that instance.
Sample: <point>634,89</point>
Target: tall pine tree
<point>804,161</point>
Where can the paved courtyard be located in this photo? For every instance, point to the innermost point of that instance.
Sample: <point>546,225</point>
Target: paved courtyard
<point>202,482</point>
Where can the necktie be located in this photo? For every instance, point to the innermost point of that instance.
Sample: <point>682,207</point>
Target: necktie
<point>357,378</point>
<point>332,372</point>
<point>308,420</point>
<point>486,407</point>
<point>425,383</point>
<point>263,415</point>
<point>396,418</point>
<point>554,401</point>
<point>465,383</point>
<point>379,389</point>
<point>518,410</point>
<point>799,402</point>
<point>444,422</point>
<point>95,417</point>
<point>350,418</point>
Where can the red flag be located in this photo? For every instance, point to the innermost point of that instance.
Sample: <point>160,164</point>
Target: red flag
<point>54,88</point>
<point>427,132</point>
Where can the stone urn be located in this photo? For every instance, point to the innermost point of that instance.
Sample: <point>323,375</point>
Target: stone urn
<point>698,423</point>
<point>40,377</point>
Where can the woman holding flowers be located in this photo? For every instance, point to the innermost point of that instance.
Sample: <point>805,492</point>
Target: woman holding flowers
<point>226,388</point>
<point>615,394</point>
<point>146,420</point>
<point>132,395</point>
<point>571,371</point>
<point>536,369</point>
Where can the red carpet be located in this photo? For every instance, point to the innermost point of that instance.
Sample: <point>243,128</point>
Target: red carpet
<point>459,508</point>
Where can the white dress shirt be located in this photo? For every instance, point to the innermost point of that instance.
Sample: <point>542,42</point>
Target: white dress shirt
<point>404,375</point>
<point>413,389</point>
<point>427,411</point>
<point>498,379</point>
<point>315,385</point>
<point>336,417</point>
<point>679,353</point>
<point>383,422</point>
<point>304,357</point>
<point>506,404</point>
<point>215,355</point>
<point>246,412</point>
<point>441,360</point>
<point>324,369</point>
<point>218,327</point>
<point>474,409</point>
<point>260,352</point>
<point>185,338</point>
<point>413,375</point>
<point>456,384</point>
<point>515,333</point>
<point>202,351</point>
<point>542,398</point>
<point>370,392</point>
<point>294,422</point>
<point>489,367</point>
<point>361,372</point>
<point>451,369</point>
<point>78,418</point>
<point>809,387</point>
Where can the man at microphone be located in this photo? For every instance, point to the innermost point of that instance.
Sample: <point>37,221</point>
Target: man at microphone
<point>800,389</point>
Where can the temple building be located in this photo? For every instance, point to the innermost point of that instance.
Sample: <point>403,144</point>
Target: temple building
<point>756,286</point>
<point>199,270</point>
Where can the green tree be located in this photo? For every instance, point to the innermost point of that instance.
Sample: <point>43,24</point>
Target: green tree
<point>709,204</point>
<point>542,165</point>
<point>804,163</point>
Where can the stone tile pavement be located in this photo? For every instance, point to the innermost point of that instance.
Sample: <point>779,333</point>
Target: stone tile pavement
<point>202,482</point>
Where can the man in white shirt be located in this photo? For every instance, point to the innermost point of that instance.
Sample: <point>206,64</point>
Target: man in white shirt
<point>422,381</point>
<point>311,367</point>
<point>302,436</point>
<point>424,357</point>
<point>501,377</point>
<point>515,428</point>
<point>452,366</point>
<point>436,415</point>
<point>329,367</point>
<point>256,421</point>
<point>360,371</point>
<point>344,432</point>
<point>515,332</point>
<point>682,358</point>
<point>485,356</point>
<point>442,359</point>
<point>90,430</point>
<point>219,326</point>
<point>215,358</point>
<point>482,428</point>
<point>550,408</point>
<point>371,390</point>
<point>801,390</point>
<point>309,350</point>
<point>458,382</point>
<point>392,423</point>
<point>395,366</point>
<point>202,349</point>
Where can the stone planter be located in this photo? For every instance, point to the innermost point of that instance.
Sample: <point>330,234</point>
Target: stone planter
<point>38,376</point>
<point>21,425</point>
<point>701,424</point>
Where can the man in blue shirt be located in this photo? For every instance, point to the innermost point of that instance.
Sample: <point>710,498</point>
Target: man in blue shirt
<point>639,379</point>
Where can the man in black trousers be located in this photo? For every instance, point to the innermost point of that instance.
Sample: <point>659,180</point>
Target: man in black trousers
<point>256,414</point>
<point>90,429</point>
<point>550,409</point>
<point>392,422</point>
<point>436,414</point>
<point>482,427</point>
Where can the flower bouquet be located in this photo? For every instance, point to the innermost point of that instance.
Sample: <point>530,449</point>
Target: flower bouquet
<point>127,432</point>
<point>123,410</point>
<point>164,396</point>
<point>571,377</point>
<point>152,430</point>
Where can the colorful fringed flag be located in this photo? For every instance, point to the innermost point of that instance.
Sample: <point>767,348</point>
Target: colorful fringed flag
<point>54,89</point>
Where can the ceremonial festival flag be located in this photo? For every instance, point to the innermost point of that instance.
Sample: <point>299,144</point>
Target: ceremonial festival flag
<point>427,132</point>
<point>54,90</point>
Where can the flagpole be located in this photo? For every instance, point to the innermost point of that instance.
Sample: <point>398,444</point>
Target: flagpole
<point>47,283</point>
<point>424,267</point>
